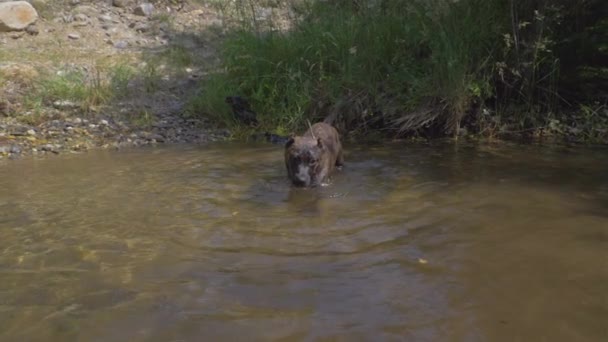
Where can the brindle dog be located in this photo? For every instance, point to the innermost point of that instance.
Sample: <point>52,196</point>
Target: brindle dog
<point>312,157</point>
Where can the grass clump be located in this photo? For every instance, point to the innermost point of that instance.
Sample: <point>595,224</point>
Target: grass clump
<point>403,67</point>
<point>399,65</point>
<point>77,88</point>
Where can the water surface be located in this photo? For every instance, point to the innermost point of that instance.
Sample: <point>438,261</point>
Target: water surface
<point>411,242</point>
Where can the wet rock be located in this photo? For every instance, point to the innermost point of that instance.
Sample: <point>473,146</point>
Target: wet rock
<point>15,149</point>
<point>145,9</point>
<point>16,15</point>
<point>50,148</point>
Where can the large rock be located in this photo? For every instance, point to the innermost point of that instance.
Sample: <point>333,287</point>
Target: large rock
<point>16,15</point>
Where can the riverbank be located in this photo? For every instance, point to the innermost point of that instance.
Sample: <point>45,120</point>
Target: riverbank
<point>112,74</point>
<point>487,69</point>
<point>93,74</point>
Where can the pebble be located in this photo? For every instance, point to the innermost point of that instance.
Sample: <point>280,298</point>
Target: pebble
<point>74,36</point>
<point>81,17</point>
<point>64,104</point>
<point>105,18</point>
<point>15,149</point>
<point>121,44</point>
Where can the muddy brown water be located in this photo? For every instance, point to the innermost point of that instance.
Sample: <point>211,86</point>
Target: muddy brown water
<point>410,242</point>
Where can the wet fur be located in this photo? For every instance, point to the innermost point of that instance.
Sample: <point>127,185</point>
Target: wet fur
<point>311,158</point>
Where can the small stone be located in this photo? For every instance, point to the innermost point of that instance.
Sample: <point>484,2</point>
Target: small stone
<point>77,120</point>
<point>141,27</point>
<point>64,104</point>
<point>17,35</point>
<point>92,126</point>
<point>15,149</point>
<point>145,9</point>
<point>32,30</point>
<point>74,36</point>
<point>120,3</point>
<point>81,17</point>
<point>121,44</point>
<point>49,148</point>
<point>31,132</point>
<point>105,18</point>
<point>103,122</point>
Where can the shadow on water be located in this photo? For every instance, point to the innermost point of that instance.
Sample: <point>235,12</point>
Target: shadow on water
<point>409,242</point>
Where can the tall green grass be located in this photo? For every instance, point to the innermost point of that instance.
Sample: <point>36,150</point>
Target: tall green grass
<point>397,66</point>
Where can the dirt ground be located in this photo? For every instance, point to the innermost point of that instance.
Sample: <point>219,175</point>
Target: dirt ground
<point>98,74</point>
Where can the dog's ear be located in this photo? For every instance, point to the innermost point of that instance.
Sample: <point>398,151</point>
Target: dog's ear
<point>290,141</point>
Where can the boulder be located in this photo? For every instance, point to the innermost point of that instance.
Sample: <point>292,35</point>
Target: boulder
<point>16,15</point>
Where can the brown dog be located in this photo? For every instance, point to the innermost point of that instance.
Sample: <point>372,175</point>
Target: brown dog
<point>312,157</point>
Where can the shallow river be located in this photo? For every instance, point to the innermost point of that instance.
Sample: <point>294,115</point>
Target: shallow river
<point>410,242</point>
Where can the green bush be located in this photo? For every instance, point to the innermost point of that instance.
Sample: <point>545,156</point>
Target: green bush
<point>397,66</point>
